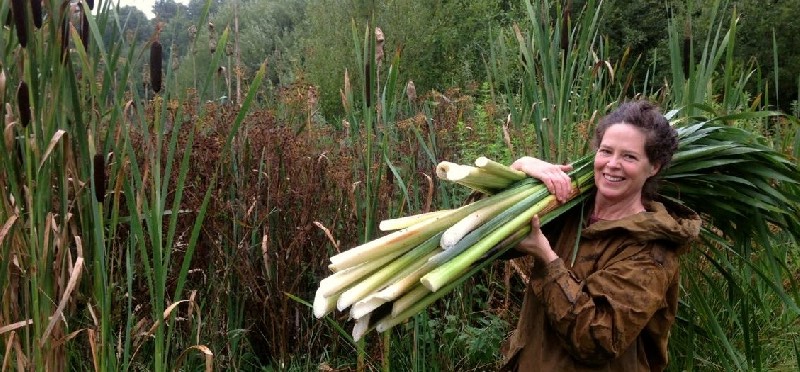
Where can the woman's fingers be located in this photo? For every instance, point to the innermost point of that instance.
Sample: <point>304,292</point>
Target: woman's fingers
<point>554,176</point>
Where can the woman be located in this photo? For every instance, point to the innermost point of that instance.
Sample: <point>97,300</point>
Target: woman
<point>610,308</point>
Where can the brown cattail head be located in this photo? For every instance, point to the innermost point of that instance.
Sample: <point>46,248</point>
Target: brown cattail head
<point>565,23</point>
<point>85,31</point>
<point>63,28</point>
<point>36,11</point>
<point>99,163</point>
<point>19,9</point>
<point>155,65</point>
<point>687,51</point>
<point>24,104</point>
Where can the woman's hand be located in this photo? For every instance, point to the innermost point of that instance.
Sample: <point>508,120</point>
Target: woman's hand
<point>536,244</point>
<point>554,176</point>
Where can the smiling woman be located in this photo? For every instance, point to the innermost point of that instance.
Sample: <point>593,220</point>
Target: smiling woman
<point>614,305</point>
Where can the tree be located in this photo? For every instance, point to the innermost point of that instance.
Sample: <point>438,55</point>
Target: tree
<point>165,10</point>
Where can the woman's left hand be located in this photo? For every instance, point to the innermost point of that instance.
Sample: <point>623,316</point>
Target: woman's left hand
<point>536,244</point>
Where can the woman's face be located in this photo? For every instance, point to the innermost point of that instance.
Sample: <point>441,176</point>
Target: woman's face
<point>621,165</point>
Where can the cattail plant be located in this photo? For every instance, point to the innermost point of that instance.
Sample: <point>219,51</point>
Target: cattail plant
<point>155,65</point>
<point>63,28</point>
<point>18,8</point>
<point>24,104</point>
<point>36,11</point>
<point>99,163</point>
<point>687,49</point>
<point>85,30</point>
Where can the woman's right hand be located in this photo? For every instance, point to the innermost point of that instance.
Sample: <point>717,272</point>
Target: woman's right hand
<point>554,176</point>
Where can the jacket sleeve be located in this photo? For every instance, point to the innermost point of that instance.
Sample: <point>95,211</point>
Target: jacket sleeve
<point>598,318</point>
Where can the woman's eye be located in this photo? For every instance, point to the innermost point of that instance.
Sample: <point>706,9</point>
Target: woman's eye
<point>630,157</point>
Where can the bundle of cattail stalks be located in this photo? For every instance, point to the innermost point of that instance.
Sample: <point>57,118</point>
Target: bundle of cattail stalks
<point>384,282</point>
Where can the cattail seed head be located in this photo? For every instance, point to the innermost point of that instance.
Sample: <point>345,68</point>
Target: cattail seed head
<point>23,104</point>
<point>99,163</point>
<point>687,51</point>
<point>63,28</point>
<point>36,10</point>
<point>565,22</point>
<point>155,65</point>
<point>18,8</point>
<point>85,31</point>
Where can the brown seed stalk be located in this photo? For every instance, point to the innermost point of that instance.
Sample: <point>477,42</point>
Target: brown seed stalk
<point>99,163</point>
<point>24,104</point>
<point>155,65</point>
<point>18,8</point>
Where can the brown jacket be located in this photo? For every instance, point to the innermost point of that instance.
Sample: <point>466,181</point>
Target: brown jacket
<point>613,309</point>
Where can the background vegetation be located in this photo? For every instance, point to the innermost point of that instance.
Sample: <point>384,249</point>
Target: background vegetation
<point>184,228</point>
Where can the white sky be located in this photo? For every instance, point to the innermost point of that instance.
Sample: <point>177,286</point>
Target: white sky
<point>144,5</point>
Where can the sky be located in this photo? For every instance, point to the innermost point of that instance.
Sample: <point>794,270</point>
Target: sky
<point>145,5</point>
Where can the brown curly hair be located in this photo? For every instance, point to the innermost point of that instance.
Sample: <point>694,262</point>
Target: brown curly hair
<point>661,139</point>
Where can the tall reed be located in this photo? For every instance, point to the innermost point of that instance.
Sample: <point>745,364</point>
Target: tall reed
<point>75,253</point>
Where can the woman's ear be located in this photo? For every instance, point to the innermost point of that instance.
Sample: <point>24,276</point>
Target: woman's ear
<point>654,168</point>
